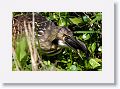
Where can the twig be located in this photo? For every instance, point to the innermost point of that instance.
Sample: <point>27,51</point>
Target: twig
<point>15,60</point>
<point>30,40</point>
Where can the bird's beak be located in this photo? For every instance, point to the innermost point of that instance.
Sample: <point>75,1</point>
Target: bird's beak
<point>76,44</point>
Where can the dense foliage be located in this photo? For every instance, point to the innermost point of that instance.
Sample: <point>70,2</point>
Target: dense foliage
<point>86,26</point>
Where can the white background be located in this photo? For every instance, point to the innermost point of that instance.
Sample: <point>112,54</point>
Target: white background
<point>104,76</point>
<point>85,86</point>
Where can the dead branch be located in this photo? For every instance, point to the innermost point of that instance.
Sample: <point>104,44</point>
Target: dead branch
<point>30,39</point>
<point>15,60</point>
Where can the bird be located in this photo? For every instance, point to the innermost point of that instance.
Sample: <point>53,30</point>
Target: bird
<point>50,37</point>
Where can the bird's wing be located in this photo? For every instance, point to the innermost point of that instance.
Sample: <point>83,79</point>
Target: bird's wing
<point>45,30</point>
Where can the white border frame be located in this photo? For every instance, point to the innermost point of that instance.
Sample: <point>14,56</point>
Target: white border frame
<point>104,76</point>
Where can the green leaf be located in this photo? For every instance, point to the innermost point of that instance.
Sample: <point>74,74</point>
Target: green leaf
<point>55,16</point>
<point>100,49</point>
<point>93,47</point>
<point>97,18</point>
<point>45,62</point>
<point>22,55</point>
<point>86,36</point>
<point>90,29</point>
<point>62,22</point>
<point>86,19</point>
<point>48,63</point>
<point>76,20</point>
<point>63,61</point>
<point>20,50</point>
<point>98,60</point>
<point>93,63</point>
<point>73,67</point>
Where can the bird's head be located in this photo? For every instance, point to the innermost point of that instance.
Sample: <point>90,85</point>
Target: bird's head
<point>66,39</point>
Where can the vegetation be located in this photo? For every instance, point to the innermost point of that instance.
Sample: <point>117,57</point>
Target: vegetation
<point>86,26</point>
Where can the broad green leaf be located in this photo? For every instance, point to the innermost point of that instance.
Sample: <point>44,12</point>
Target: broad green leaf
<point>20,50</point>
<point>76,20</point>
<point>93,63</point>
<point>23,46</point>
<point>22,55</point>
<point>93,47</point>
<point>17,50</point>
